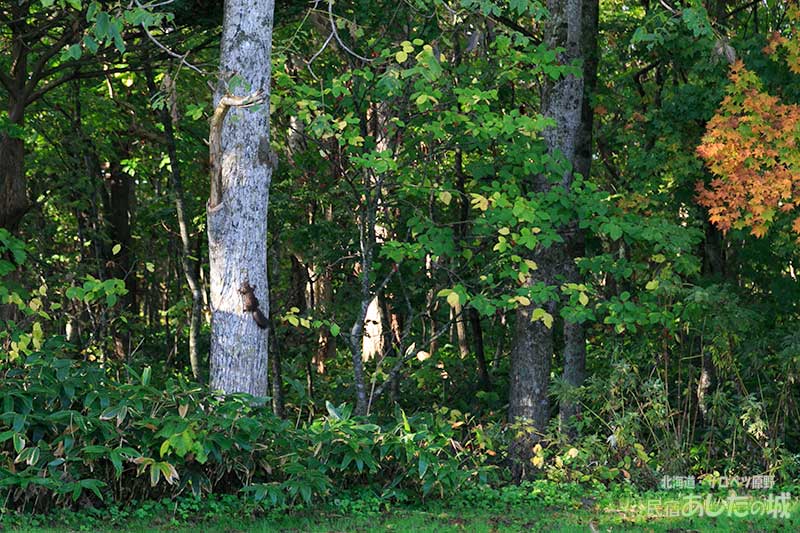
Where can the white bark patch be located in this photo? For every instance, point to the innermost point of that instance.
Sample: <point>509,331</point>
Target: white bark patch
<point>372,343</point>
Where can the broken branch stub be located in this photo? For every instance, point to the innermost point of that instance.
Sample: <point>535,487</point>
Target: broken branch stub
<point>215,138</point>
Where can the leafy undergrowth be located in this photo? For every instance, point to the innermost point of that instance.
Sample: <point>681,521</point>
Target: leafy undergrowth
<point>538,506</point>
<point>73,436</point>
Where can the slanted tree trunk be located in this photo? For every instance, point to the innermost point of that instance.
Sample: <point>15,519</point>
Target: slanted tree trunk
<point>241,167</point>
<point>188,264</point>
<point>531,357</point>
<point>574,333</point>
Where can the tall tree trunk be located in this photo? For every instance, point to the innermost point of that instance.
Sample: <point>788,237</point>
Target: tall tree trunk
<point>531,357</point>
<point>119,211</point>
<point>275,355</point>
<point>461,330</point>
<point>13,202</point>
<point>13,197</point>
<point>241,167</point>
<point>118,206</point>
<point>431,306</point>
<point>276,372</point>
<point>31,43</point>
<point>189,265</point>
<point>480,355</point>
<point>326,343</point>
<point>708,373</point>
<point>357,331</point>
<point>368,209</point>
<point>323,298</point>
<point>574,333</point>
<point>13,192</point>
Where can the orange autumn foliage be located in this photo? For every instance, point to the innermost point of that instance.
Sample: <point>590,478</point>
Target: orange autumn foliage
<point>750,147</point>
<point>789,42</point>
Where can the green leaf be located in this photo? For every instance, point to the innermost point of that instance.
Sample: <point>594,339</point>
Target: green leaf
<point>91,12</point>
<point>614,231</point>
<point>333,411</point>
<point>109,413</point>
<point>93,485</point>
<point>155,474</point>
<point>119,43</point>
<point>453,299</point>
<point>33,456</point>
<point>101,26</point>
<point>422,466</point>
<point>19,442</point>
<point>544,316</point>
<point>18,423</point>
<point>406,425</point>
<point>74,51</point>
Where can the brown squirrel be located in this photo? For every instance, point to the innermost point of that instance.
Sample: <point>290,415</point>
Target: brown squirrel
<point>251,304</point>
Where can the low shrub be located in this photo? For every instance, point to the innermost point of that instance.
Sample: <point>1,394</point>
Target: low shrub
<point>73,435</point>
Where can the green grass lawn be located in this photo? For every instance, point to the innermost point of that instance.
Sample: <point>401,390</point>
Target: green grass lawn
<point>520,520</point>
<point>654,512</point>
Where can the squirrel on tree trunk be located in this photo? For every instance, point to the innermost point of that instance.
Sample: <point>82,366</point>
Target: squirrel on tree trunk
<point>251,304</point>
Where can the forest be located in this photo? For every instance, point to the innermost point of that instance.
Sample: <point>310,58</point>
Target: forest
<point>417,265</point>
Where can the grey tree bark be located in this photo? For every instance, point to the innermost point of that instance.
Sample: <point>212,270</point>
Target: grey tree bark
<point>367,244</point>
<point>574,333</point>
<point>241,165</point>
<point>531,357</point>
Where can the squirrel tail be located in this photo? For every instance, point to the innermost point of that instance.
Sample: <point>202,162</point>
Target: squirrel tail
<point>261,320</point>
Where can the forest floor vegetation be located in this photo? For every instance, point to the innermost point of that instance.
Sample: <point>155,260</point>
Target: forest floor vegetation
<point>506,509</point>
